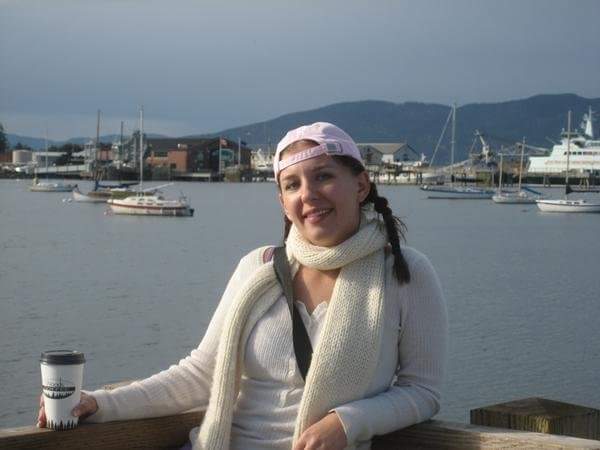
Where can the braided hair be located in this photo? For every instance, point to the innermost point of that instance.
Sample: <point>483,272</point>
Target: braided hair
<point>395,228</point>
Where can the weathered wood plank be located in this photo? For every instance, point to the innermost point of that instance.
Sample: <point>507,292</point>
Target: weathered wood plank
<point>157,433</point>
<point>542,416</point>
<point>171,432</point>
<point>449,435</point>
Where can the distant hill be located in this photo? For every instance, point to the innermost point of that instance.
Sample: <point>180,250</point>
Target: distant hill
<point>33,142</point>
<point>537,118</point>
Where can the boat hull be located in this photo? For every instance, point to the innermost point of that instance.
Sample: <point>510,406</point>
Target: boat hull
<point>86,198</point>
<point>147,210</point>
<point>457,193</point>
<point>52,187</point>
<point>512,200</point>
<point>568,206</point>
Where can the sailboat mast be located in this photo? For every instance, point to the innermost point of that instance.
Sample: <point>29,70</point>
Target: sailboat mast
<point>121,144</point>
<point>141,148</point>
<point>501,171</point>
<point>521,163</point>
<point>97,136</point>
<point>46,145</point>
<point>453,139</point>
<point>568,149</point>
<point>219,157</point>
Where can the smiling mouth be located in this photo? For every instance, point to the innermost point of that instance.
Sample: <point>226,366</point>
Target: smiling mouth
<point>316,215</point>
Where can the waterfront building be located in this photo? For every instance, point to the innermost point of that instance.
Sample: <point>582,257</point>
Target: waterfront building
<point>40,158</point>
<point>191,157</point>
<point>22,156</point>
<point>391,162</point>
<point>393,153</point>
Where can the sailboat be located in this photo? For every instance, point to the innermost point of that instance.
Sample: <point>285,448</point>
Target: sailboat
<point>565,205</point>
<point>523,195</point>
<point>455,192</point>
<point>101,192</point>
<point>47,186</point>
<point>149,205</point>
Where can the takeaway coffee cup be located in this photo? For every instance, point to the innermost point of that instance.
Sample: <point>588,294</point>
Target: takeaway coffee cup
<point>62,376</point>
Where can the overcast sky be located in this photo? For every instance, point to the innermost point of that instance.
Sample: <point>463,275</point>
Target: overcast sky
<point>201,65</point>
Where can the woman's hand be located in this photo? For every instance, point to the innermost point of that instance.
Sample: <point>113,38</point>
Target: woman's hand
<point>85,408</point>
<point>327,434</point>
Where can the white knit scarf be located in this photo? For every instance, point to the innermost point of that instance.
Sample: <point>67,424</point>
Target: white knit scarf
<point>343,362</point>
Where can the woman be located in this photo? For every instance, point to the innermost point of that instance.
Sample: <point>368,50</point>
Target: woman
<point>374,313</point>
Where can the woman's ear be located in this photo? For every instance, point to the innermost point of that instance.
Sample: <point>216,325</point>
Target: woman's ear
<point>364,186</point>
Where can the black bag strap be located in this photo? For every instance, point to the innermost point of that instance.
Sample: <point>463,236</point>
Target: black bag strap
<point>302,346</point>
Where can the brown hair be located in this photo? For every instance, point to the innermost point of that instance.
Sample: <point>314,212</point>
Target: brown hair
<point>395,228</point>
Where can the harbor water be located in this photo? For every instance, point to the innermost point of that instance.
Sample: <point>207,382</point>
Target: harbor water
<point>135,294</point>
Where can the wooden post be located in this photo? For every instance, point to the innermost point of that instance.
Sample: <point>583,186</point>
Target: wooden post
<point>542,416</point>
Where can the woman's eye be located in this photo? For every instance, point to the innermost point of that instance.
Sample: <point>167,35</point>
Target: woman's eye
<point>324,176</point>
<point>290,186</point>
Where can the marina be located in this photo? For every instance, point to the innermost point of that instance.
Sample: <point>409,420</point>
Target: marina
<point>225,159</point>
<point>523,317</point>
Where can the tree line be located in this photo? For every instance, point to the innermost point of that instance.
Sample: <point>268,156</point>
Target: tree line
<point>68,148</point>
<point>3,140</point>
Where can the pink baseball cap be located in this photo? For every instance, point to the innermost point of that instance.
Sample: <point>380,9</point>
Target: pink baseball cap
<point>331,140</point>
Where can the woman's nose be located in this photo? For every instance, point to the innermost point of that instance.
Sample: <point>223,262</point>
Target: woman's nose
<point>309,191</point>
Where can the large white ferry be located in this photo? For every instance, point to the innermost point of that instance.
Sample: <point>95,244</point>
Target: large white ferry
<point>584,153</point>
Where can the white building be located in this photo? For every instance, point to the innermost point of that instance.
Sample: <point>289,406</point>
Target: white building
<point>21,156</point>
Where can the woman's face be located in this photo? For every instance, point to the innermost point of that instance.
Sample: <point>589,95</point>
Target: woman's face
<point>322,197</point>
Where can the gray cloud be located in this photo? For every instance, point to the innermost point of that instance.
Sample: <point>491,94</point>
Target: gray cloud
<point>204,65</point>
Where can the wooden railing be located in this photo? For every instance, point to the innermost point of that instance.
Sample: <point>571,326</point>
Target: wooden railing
<point>171,432</point>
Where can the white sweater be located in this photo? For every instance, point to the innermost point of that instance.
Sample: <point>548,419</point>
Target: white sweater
<point>404,391</point>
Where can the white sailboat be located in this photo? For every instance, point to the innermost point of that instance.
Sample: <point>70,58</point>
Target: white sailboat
<point>565,205</point>
<point>455,192</point>
<point>149,205</point>
<point>522,195</point>
<point>47,186</point>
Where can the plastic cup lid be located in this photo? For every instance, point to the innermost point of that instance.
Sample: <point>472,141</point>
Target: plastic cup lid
<point>62,357</point>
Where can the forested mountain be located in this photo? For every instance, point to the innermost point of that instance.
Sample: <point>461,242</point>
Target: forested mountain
<point>539,119</point>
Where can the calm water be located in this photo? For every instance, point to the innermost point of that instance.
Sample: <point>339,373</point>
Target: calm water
<point>136,294</point>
